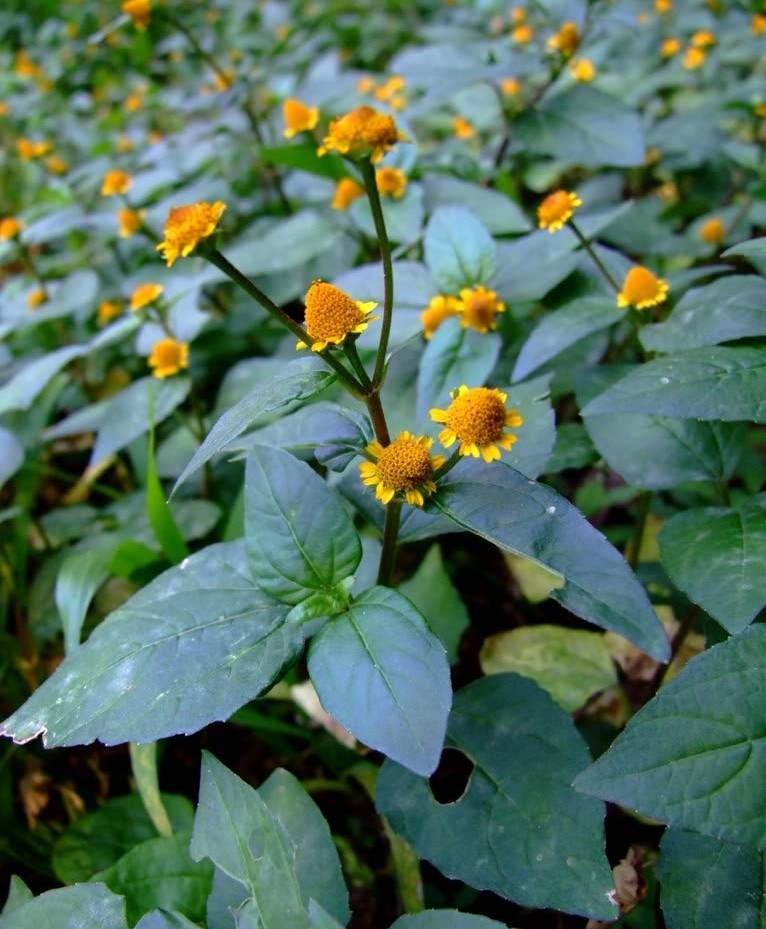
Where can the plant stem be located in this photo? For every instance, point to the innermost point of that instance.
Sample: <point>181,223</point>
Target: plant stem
<point>448,465</point>
<point>634,546</point>
<point>368,174</point>
<point>585,242</point>
<point>349,347</point>
<point>378,418</point>
<point>234,274</point>
<point>390,533</point>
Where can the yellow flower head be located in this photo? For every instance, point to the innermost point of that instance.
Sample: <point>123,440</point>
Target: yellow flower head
<point>510,86</point>
<point>139,11</point>
<point>565,40</point>
<point>128,222</point>
<point>5,108</point>
<point>24,66</point>
<point>557,209</point>
<point>298,117</point>
<point>758,24</point>
<point>144,294</point>
<point>518,14</point>
<point>56,165</point>
<point>36,297</point>
<point>362,133</point>
<point>642,289</point>
<point>331,315</point>
<point>440,308</point>
<point>29,149</point>
<point>703,39</point>
<point>10,227</point>
<point>393,86</point>
<point>663,6</point>
<point>365,85</point>
<point>125,144</point>
<point>134,102</point>
<point>478,309</point>
<point>115,182</point>
<point>694,58</point>
<point>670,47</point>
<point>404,467</point>
<point>522,34</point>
<point>391,182</point>
<point>106,312</point>
<point>346,191</point>
<point>477,419</point>
<point>187,226</point>
<point>223,80</point>
<point>713,232</point>
<point>582,69</point>
<point>462,128</point>
<point>168,357</point>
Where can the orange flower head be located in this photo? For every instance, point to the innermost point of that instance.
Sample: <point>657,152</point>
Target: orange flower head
<point>566,40</point>
<point>391,182</point>
<point>116,183</point>
<point>36,297</point>
<point>187,226</point>
<point>362,133</point>
<point>694,58</point>
<point>128,222</point>
<point>703,39</point>
<point>582,69</point>
<point>477,419</point>
<point>518,14</point>
<point>670,47</point>
<point>168,357</point>
<point>758,24</point>
<point>29,149</point>
<point>663,6</point>
<point>107,310</point>
<point>522,34</point>
<point>346,191</point>
<point>9,228</point>
<point>134,102</point>
<point>440,307</point>
<point>713,232</point>
<point>478,309</point>
<point>510,86</point>
<point>642,289</point>
<point>139,11</point>
<point>462,128</point>
<point>404,467</point>
<point>332,315</point>
<point>56,165</point>
<point>298,117</point>
<point>557,209</point>
<point>144,294</point>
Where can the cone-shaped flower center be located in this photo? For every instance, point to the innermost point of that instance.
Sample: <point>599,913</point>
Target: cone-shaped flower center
<point>477,416</point>
<point>406,463</point>
<point>330,313</point>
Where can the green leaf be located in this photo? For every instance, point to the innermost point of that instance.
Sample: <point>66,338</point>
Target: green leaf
<point>159,919</point>
<point>129,413</point>
<point>705,383</point>
<point>78,579</point>
<point>707,884</point>
<point>97,840</point>
<point>693,757</point>
<point>751,248</point>
<point>320,919</point>
<point>224,641</point>
<point>382,674</point>
<point>300,380</point>
<point>404,218</point>
<point>300,540</point>
<point>454,356</point>
<point>304,157</point>
<point>561,329</point>
<point>21,390</point>
<point>18,893</point>
<point>499,214</point>
<point>458,249</point>
<point>728,309</point>
<point>531,265</point>
<point>716,555</point>
<point>11,455</point>
<point>160,516</point>
<point>86,906</point>
<point>523,831</point>
<point>570,664</point>
<point>445,919</point>
<point>432,592</point>
<point>521,516</point>
<point>582,125</point>
<point>160,874</point>
<point>536,438</point>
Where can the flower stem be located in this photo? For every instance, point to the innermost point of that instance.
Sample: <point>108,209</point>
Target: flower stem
<point>586,244</point>
<point>378,418</point>
<point>448,465</point>
<point>223,264</point>
<point>368,174</point>
<point>634,546</point>
<point>390,533</point>
<point>352,354</point>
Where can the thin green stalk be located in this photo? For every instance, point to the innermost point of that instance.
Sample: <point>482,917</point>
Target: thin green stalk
<point>368,174</point>
<point>390,534</point>
<point>634,546</point>
<point>352,354</point>
<point>378,418</point>
<point>223,264</point>
<point>448,465</point>
<point>585,242</point>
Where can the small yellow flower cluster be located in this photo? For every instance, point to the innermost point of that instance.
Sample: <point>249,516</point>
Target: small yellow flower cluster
<point>582,69</point>
<point>758,24</point>
<point>129,222</point>
<point>25,67</point>
<point>298,117</point>
<point>346,191</point>
<point>670,47</point>
<point>36,297</point>
<point>566,40</point>
<point>462,127</point>
<point>56,165</point>
<point>695,55</point>
<point>522,34</point>
<point>476,308</point>
<point>391,182</point>
<point>713,231</point>
<point>168,357</point>
<point>557,209</point>
<point>362,133</point>
<point>332,315</point>
<point>10,227</point>
<point>642,289</point>
<point>116,183</point>
<point>510,86</point>
<point>186,226</point>
<point>139,11</point>
<point>391,91</point>
<point>144,294</point>
<point>107,311</point>
<point>663,6</point>
<point>29,149</point>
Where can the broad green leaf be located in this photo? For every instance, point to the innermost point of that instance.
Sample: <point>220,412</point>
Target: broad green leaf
<point>404,218</point>
<point>431,590</point>
<point>751,248</point>
<point>160,874</point>
<point>143,764</point>
<point>523,832</point>
<point>719,383</point>
<point>20,391</point>
<point>300,380</point>
<point>454,356</point>
<point>445,919</point>
<point>300,540</point>
<point>223,639</point>
<point>459,251</point>
<point>11,455</point>
<point>78,579</point>
<point>559,330</point>
<point>707,884</point>
<point>582,125</point>
<point>129,413</point>
<point>694,757</point>
<point>18,893</point>
<point>160,515</point>
<point>728,309</point>
<point>570,664</point>
<point>499,214</point>
<point>530,519</point>
<point>161,919</point>
<point>531,265</point>
<point>304,157</point>
<point>97,840</point>
<point>320,918</point>
<point>383,674</point>
<point>86,906</point>
<point>536,438</point>
<point>716,556</point>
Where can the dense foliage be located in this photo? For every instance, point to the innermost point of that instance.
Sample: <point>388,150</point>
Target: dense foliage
<point>453,618</point>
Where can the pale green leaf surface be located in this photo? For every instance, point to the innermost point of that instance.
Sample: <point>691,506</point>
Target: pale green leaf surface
<point>459,250</point>
<point>85,906</point>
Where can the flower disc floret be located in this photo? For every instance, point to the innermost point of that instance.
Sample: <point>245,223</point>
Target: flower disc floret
<point>404,467</point>
<point>477,418</point>
<point>331,315</point>
<point>478,309</point>
<point>168,357</point>
<point>642,289</point>
<point>440,307</point>
<point>557,209</point>
<point>362,133</point>
<point>187,226</point>
<point>298,117</point>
